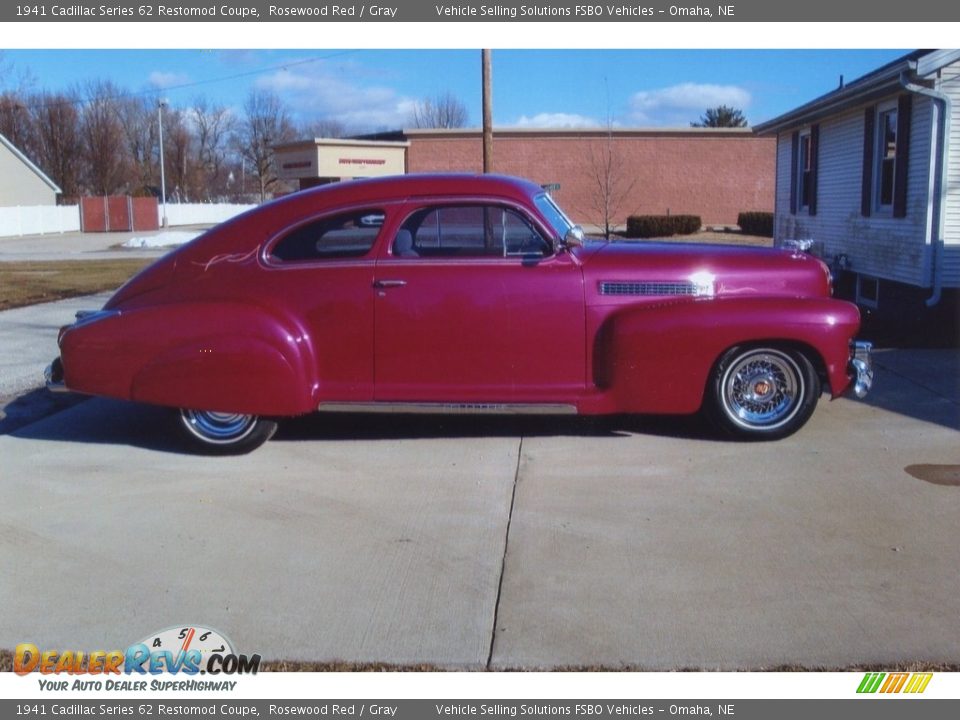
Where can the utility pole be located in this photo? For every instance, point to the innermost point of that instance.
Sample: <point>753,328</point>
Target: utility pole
<point>163,178</point>
<point>487,112</point>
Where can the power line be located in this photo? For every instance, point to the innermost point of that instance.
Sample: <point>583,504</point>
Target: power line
<point>182,86</point>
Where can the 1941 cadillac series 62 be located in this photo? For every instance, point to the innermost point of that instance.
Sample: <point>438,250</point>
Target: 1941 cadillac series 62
<point>460,293</point>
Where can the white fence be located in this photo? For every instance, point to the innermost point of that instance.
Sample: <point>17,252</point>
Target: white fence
<point>38,220</point>
<point>46,219</point>
<point>200,213</point>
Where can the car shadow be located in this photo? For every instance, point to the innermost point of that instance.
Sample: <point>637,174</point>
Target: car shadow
<point>918,383</point>
<point>100,421</point>
<point>350,426</point>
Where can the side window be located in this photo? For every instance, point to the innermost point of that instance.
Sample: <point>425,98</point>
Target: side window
<point>886,156</point>
<point>468,231</point>
<point>347,235</point>
<point>803,182</point>
<point>805,163</point>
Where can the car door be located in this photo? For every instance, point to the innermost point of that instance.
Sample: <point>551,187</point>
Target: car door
<point>324,269</point>
<point>472,305</point>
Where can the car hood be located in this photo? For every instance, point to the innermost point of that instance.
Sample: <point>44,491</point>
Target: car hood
<point>619,269</point>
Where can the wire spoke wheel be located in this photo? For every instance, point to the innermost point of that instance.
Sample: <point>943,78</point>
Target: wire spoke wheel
<point>764,392</point>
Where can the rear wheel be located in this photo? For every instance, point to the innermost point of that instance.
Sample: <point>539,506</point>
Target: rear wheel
<point>763,392</point>
<point>223,433</point>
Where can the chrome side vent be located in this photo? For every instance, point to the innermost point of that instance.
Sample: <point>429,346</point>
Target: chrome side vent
<point>647,288</point>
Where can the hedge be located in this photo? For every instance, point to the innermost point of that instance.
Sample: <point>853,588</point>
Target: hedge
<point>646,226</point>
<point>756,223</point>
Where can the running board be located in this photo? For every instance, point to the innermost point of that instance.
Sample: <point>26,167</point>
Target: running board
<point>440,408</point>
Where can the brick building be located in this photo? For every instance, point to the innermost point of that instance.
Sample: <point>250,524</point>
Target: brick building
<point>713,173</point>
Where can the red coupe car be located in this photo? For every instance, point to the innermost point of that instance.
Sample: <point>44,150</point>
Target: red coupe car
<point>463,294</point>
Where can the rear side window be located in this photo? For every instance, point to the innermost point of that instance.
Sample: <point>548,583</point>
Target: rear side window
<point>347,235</point>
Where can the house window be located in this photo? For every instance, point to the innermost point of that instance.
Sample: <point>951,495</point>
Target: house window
<point>886,157</point>
<point>868,291</point>
<point>805,164</point>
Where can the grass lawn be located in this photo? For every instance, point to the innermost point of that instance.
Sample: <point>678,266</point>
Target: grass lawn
<point>27,283</point>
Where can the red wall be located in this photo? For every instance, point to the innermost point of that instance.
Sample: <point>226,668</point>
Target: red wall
<point>713,175</point>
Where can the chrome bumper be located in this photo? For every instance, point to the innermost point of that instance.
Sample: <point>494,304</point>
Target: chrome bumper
<point>861,367</point>
<point>53,376</point>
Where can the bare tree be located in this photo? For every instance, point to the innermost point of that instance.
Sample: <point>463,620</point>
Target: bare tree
<point>611,182</point>
<point>177,155</point>
<point>15,122</point>
<point>102,139</point>
<point>326,128</point>
<point>141,135</point>
<point>212,126</point>
<point>56,121</point>
<point>721,117</point>
<point>441,111</point>
<point>266,123</point>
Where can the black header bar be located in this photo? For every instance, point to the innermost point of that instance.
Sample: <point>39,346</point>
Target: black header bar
<point>472,11</point>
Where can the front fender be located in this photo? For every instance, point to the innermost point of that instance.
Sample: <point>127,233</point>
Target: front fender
<point>657,359</point>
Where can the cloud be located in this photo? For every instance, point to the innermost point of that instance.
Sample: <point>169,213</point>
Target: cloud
<point>682,104</point>
<point>315,94</point>
<point>557,120</point>
<point>160,79</point>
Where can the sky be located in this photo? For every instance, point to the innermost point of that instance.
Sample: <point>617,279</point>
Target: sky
<point>371,90</point>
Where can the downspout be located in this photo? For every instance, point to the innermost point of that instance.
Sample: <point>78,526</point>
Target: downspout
<point>940,200</point>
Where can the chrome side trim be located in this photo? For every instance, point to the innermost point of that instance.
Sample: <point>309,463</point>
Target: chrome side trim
<point>624,287</point>
<point>439,408</point>
<point>861,367</point>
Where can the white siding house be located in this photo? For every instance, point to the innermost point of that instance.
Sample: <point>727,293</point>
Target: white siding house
<point>871,174</point>
<point>21,182</point>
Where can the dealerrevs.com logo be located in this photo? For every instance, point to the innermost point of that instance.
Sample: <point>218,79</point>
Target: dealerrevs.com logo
<point>189,649</point>
<point>895,682</point>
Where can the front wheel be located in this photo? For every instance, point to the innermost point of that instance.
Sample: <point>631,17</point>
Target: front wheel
<point>222,433</point>
<point>762,392</point>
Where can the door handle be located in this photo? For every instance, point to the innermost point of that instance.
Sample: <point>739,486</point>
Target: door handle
<point>389,283</point>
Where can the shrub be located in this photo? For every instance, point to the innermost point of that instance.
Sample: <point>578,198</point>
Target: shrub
<point>756,223</point>
<point>645,226</point>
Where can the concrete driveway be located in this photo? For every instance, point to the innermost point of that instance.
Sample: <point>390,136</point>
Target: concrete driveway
<point>501,543</point>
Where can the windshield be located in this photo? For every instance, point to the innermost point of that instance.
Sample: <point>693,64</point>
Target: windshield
<point>554,215</point>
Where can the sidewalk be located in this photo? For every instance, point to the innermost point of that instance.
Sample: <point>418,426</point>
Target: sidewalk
<point>28,336</point>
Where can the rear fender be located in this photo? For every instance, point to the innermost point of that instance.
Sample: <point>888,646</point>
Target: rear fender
<point>224,356</point>
<point>225,373</point>
<point>657,359</point>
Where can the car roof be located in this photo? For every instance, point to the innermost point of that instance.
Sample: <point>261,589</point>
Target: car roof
<point>399,187</point>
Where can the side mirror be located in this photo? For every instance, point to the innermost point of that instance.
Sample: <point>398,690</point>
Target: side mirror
<point>573,238</point>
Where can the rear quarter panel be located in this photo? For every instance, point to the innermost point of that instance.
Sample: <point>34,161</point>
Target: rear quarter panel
<point>226,356</point>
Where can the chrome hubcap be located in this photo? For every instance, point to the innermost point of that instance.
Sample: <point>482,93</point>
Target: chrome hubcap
<point>219,428</point>
<point>762,389</point>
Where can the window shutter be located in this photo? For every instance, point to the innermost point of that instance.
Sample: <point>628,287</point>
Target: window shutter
<point>866,188</point>
<point>814,165</point>
<point>794,158</point>
<point>904,111</point>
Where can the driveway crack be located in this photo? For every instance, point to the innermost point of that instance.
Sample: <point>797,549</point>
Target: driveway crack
<point>503,559</point>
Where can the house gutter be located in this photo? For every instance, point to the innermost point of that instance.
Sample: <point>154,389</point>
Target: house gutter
<point>856,92</point>
<point>940,200</point>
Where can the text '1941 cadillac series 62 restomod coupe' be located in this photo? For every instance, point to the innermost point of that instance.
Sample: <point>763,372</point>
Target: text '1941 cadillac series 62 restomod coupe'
<point>460,293</point>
